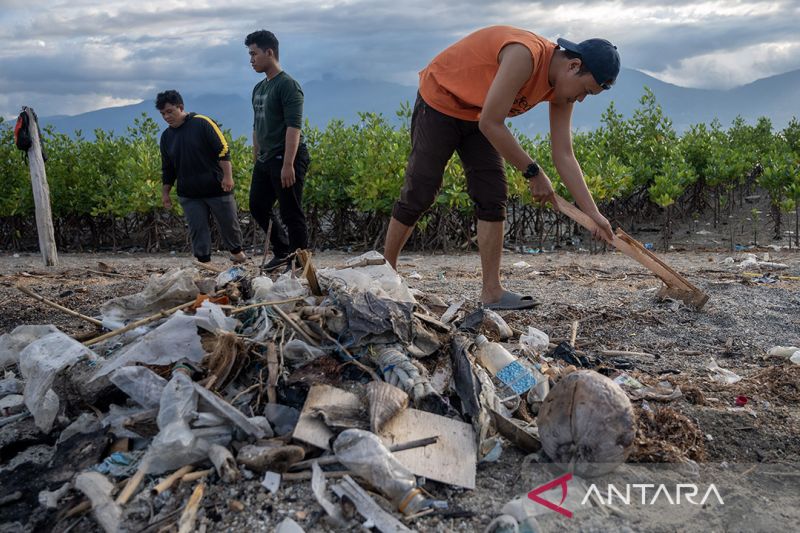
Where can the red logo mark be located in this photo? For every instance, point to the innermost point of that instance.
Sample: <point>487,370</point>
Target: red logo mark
<point>534,494</point>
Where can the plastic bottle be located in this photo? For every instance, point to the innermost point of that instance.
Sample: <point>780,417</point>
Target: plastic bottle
<point>364,453</point>
<point>502,364</point>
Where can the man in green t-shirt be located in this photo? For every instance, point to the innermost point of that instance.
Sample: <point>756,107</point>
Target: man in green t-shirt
<point>281,157</point>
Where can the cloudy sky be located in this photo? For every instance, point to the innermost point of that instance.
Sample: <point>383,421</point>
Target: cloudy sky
<point>67,57</point>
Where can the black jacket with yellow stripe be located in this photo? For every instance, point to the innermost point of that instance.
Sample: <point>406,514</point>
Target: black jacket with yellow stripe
<point>191,154</point>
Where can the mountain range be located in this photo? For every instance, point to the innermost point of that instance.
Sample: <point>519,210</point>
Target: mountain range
<point>775,97</point>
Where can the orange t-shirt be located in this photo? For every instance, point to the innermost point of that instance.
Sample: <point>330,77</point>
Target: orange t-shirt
<point>457,80</point>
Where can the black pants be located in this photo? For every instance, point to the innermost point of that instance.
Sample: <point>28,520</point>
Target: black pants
<point>266,188</point>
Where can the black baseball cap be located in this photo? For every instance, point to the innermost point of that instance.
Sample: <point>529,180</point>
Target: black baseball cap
<point>599,56</point>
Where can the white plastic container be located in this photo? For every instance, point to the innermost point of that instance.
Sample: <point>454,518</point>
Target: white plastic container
<point>505,366</point>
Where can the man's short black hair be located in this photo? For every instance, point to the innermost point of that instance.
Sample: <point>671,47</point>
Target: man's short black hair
<point>264,39</point>
<point>168,97</point>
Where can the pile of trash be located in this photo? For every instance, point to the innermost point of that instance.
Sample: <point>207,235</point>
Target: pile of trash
<point>342,376</point>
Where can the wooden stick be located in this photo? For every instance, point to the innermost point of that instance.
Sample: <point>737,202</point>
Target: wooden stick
<point>633,249</point>
<point>194,476</point>
<point>186,522</point>
<point>265,304</point>
<point>26,290</point>
<point>332,459</point>
<point>81,508</point>
<point>620,353</point>
<point>294,325</point>
<point>133,484</point>
<point>309,271</point>
<point>170,480</point>
<point>210,267</point>
<point>142,322</point>
<point>574,333</point>
<point>273,370</point>
<point>302,476</point>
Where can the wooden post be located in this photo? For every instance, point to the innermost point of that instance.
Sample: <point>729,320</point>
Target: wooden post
<point>41,194</point>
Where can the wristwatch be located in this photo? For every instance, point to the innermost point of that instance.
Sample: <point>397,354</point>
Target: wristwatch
<point>532,171</point>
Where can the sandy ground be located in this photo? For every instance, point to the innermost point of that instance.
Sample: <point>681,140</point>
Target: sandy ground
<point>614,301</point>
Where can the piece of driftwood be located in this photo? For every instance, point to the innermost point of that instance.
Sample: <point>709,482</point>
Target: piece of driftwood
<point>273,372</point>
<point>309,272</point>
<point>41,194</point>
<point>676,286</point>
<point>186,522</point>
<point>133,483</point>
<point>171,479</point>
<point>194,476</point>
<point>54,305</point>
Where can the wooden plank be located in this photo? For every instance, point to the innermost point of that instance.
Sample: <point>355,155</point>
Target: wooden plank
<point>634,249</point>
<point>41,194</point>
<point>452,459</point>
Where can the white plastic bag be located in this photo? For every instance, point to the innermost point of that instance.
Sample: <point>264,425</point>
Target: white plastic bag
<point>172,341</point>
<point>39,363</point>
<point>535,342</point>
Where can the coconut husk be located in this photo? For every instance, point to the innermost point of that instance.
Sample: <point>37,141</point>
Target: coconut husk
<point>385,402</point>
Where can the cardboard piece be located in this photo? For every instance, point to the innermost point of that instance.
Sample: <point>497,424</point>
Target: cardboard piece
<point>451,460</point>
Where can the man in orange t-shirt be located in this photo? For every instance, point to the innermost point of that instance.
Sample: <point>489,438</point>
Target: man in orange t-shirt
<point>465,95</point>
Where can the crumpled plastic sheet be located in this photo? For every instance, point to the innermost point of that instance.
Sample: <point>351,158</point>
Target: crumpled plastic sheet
<point>211,317</point>
<point>284,288</point>
<point>178,443</point>
<point>120,464</point>
<point>375,320</point>
<point>381,280</point>
<point>12,344</point>
<point>10,385</point>
<point>172,341</point>
<point>297,352</point>
<point>39,363</point>
<point>141,384</point>
<point>260,328</point>
<point>85,423</point>
<point>162,292</point>
<point>116,417</point>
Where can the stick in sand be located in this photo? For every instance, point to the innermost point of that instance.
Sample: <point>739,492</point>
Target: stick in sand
<point>26,290</point>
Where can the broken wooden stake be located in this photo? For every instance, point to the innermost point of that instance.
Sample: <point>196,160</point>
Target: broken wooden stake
<point>675,285</point>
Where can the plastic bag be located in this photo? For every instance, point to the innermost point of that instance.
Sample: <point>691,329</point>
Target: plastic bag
<point>162,292</point>
<point>39,363</point>
<point>297,352</point>
<point>534,342</point>
<point>172,341</point>
<point>211,317</point>
<point>285,287</point>
<point>11,344</point>
<point>722,375</point>
<point>379,279</point>
<point>141,384</point>
<point>261,286</point>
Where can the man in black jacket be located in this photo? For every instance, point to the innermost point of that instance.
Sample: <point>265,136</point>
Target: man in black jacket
<point>195,153</point>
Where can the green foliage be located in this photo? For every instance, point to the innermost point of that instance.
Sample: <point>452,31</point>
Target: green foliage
<point>357,170</point>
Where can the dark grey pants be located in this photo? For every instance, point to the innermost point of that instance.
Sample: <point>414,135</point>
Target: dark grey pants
<point>196,211</point>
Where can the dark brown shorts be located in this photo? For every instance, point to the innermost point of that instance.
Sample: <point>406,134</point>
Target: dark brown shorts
<point>434,138</point>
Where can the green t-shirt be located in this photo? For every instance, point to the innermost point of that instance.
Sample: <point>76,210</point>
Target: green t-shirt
<point>277,104</point>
